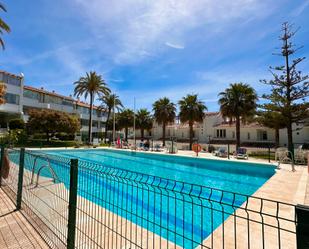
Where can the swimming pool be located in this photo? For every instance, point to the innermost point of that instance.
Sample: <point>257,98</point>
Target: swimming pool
<point>170,205</point>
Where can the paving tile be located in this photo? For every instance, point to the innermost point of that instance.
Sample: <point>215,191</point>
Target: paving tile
<point>15,231</point>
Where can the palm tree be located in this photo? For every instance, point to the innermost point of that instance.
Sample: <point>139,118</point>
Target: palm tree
<point>143,121</point>
<point>109,102</point>
<point>2,93</point>
<point>238,102</point>
<point>92,84</point>
<point>164,113</point>
<point>125,121</point>
<point>3,26</point>
<point>191,111</point>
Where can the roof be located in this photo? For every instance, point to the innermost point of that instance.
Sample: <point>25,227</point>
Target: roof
<point>11,74</point>
<point>81,103</point>
<point>182,125</point>
<point>248,125</point>
<point>53,93</point>
<point>211,113</point>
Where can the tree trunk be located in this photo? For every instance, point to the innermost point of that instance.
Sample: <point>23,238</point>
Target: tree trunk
<point>191,134</point>
<point>288,95</point>
<point>90,119</point>
<point>277,138</point>
<point>290,138</point>
<point>237,132</point>
<point>47,136</point>
<point>108,116</point>
<point>126,130</point>
<point>142,133</point>
<point>163,133</point>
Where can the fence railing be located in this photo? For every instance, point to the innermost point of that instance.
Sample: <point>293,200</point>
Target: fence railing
<point>91,205</point>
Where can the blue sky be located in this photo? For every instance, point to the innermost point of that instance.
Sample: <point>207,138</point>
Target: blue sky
<point>150,49</point>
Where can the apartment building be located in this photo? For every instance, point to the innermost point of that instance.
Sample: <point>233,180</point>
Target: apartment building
<point>20,99</point>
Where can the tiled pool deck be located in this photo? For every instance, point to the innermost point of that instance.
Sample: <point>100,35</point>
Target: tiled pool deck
<point>285,186</point>
<point>15,231</point>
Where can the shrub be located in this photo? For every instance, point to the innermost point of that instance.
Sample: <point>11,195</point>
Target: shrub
<point>14,138</point>
<point>52,143</point>
<point>16,124</point>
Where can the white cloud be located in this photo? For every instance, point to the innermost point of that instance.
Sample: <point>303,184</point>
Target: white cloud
<point>174,45</point>
<point>140,28</point>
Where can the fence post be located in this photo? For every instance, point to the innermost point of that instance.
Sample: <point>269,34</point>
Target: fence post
<point>269,153</point>
<point>302,226</point>
<point>1,163</point>
<point>72,204</point>
<point>152,145</point>
<point>20,178</point>
<point>228,151</point>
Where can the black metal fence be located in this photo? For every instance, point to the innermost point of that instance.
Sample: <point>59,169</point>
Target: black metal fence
<point>80,204</point>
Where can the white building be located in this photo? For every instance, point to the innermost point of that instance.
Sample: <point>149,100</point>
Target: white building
<point>20,99</point>
<point>215,129</point>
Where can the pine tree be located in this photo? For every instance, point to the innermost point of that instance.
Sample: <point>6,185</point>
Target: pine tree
<point>290,88</point>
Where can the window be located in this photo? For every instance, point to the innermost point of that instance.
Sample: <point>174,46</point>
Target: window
<point>67,102</point>
<point>221,133</point>
<point>13,81</point>
<point>52,99</point>
<point>262,135</point>
<point>265,135</point>
<point>95,124</point>
<point>84,122</point>
<point>9,79</point>
<point>82,109</point>
<point>32,95</point>
<point>12,98</point>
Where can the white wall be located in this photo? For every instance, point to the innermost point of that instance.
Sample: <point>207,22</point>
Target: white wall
<point>300,135</point>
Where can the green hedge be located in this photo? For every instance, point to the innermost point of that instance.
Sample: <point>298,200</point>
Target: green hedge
<point>52,143</point>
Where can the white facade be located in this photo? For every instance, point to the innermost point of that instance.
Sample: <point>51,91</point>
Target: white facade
<point>21,99</point>
<point>215,129</point>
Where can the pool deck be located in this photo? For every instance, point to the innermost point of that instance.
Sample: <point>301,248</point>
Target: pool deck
<point>15,231</point>
<point>285,186</point>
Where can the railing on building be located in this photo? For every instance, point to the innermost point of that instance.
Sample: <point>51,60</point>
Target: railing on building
<point>94,206</point>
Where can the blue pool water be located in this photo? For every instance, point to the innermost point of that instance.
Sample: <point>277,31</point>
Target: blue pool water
<point>172,210</point>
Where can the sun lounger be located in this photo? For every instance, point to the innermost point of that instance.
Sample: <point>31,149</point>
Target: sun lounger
<point>158,148</point>
<point>125,145</point>
<point>171,147</point>
<point>95,142</point>
<point>242,153</point>
<point>300,156</point>
<point>221,152</point>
